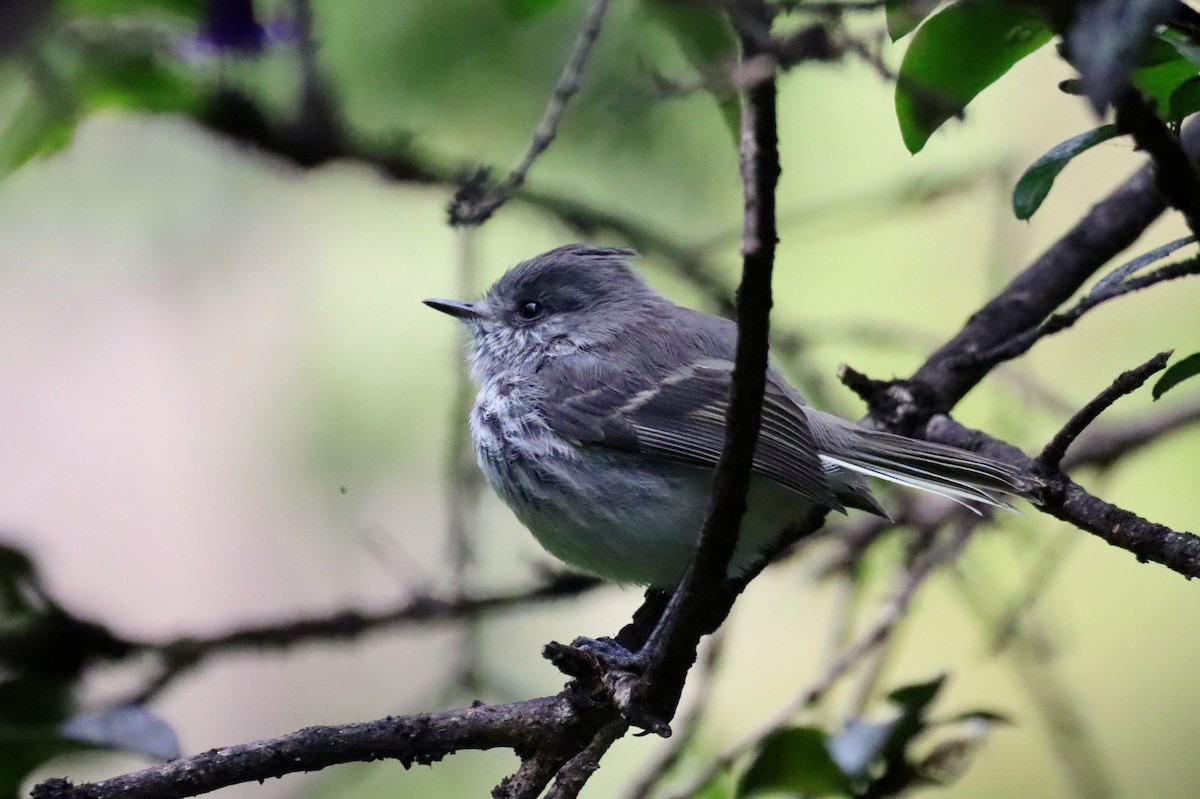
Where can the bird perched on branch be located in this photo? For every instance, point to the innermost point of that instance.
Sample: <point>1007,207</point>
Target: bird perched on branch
<point>601,416</point>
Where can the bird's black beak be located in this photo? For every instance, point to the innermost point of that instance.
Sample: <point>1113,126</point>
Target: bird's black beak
<point>461,310</point>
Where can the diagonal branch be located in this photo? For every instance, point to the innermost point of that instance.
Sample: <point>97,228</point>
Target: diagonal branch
<point>1108,228</point>
<point>1020,344</point>
<point>1104,445</point>
<point>879,633</point>
<point>475,200</point>
<point>1126,383</point>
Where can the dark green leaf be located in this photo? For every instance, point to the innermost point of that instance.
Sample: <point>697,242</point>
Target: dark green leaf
<point>794,760</point>
<point>530,8</point>
<point>1186,369</point>
<point>903,16</point>
<point>24,749</point>
<point>956,54</point>
<point>39,127</point>
<point>30,709</point>
<point>1183,45</point>
<point>916,697</point>
<point>107,8</point>
<point>138,81</point>
<point>1185,100</point>
<point>1034,185</point>
<point>1161,80</point>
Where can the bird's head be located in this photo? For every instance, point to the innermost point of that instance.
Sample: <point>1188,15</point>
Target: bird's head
<point>573,297</point>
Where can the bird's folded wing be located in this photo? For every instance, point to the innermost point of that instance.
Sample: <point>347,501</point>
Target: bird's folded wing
<point>682,418</point>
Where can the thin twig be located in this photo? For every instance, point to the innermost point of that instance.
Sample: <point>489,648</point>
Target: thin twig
<point>1104,445</point>
<point>180,655</point>
<point>1125,383</point>
<point>464,485</point>
<point>883,628</point>
<point>703,598</point>
<point>1020,344</point>
<point>476,201</point>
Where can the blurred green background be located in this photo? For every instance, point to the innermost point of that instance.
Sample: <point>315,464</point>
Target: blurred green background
<point>201,347</point>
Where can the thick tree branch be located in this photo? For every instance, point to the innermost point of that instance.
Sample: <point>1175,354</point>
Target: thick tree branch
<point>1109,227</point>
<point>548,725</point>
<point>957,367</point>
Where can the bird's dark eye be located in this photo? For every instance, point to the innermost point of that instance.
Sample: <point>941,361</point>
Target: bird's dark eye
<point>530,310</point>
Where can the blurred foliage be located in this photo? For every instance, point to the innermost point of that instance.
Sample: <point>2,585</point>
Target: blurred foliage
<point>44,654</point>
<point>869,758</point>
<point>462,82</point>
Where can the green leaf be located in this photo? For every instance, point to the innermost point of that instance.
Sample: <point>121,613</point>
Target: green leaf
<point>1185,100</point>
<point>706,40</point>
<point>39,127</point>
<point>1161,80</point>
<point>107,8</point>
<point>916,697</point>
<point>1182,44</point>
<point>135,81</point>
<point>955,55</point>
<point>903,16</point>
<point>1034,185</point>
<point>794,760</point>
<point>525,9</point>
<point>1186,369</point>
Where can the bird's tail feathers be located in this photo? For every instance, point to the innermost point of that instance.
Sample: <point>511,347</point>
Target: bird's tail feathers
<point>959,475</point>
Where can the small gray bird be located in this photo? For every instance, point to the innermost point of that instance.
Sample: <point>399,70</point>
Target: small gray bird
<point>601,415</point>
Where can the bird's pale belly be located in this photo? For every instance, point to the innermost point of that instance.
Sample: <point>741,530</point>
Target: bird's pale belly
<point>617,516</point>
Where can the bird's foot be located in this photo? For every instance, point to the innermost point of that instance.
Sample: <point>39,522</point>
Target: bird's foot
<point>620,671</point>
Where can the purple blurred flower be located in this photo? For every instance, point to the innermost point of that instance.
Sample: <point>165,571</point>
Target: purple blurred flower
<point>231,25</point>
